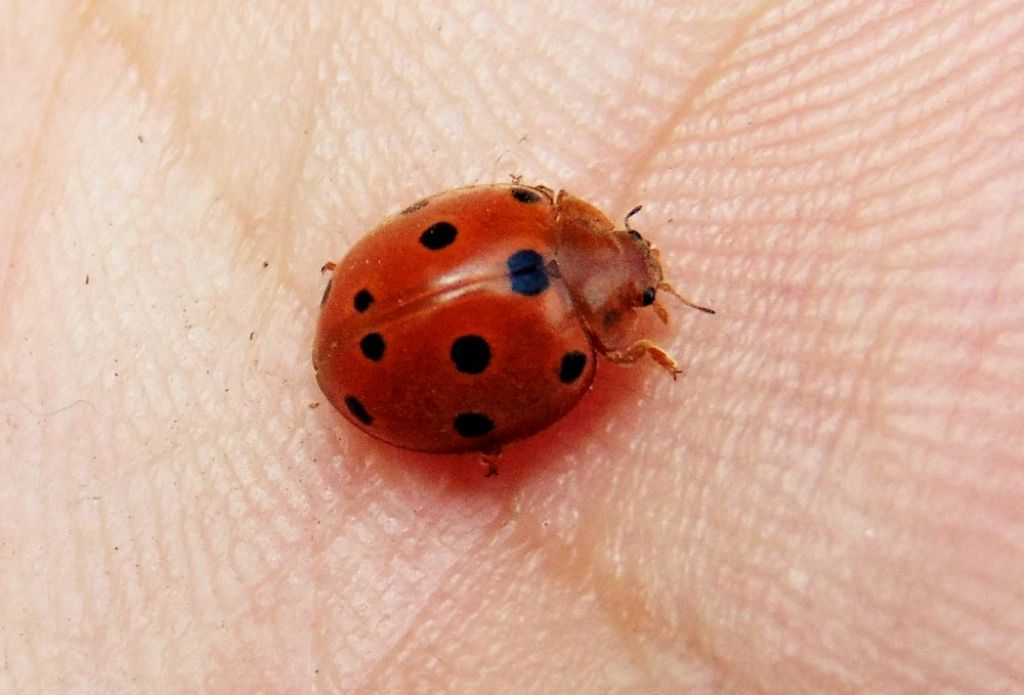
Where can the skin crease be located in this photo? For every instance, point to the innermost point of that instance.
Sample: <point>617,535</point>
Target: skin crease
<point>828,501</point>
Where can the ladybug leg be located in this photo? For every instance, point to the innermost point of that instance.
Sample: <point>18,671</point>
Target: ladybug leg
<point>660,311</point>
<point>489,461</point>
<point>329,265</point>
<point>640,348</point>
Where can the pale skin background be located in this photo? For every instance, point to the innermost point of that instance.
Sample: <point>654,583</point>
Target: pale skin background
<point>829,501</point>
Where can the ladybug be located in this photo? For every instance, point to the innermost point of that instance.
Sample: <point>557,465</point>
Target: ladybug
<point>472,318</point>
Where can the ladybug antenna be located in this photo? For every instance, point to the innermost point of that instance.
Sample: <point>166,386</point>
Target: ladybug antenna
<point>665,287</point>
<point>629,214</point>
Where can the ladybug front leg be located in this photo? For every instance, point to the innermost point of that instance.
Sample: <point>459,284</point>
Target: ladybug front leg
<point>640,348</point>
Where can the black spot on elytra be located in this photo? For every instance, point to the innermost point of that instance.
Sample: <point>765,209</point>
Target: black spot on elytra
<point>416,206</point>
<point>572,366</point>
<point>648,297</point>
<point>438,235</point>
<point>473,424</point>
<point>525,195</point>
<point>372,346</point>
<point>362,300</point>
<point>527,272</point>
<point>358,410</point>
<point>471,354</point>
<point>327,291</point>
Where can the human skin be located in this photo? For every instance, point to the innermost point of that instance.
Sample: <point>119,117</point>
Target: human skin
<point>830,499</point>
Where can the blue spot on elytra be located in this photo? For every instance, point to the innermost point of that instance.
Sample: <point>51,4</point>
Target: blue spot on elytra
<point>527,272</point>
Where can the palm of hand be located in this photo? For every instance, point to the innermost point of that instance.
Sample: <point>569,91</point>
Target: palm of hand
<point>830,499</point>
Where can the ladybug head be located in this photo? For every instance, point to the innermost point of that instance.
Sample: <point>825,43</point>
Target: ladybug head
<point>647,275</point>
<point>610,273</point>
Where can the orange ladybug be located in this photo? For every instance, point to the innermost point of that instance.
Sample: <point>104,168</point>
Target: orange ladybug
<point>472,318</point>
